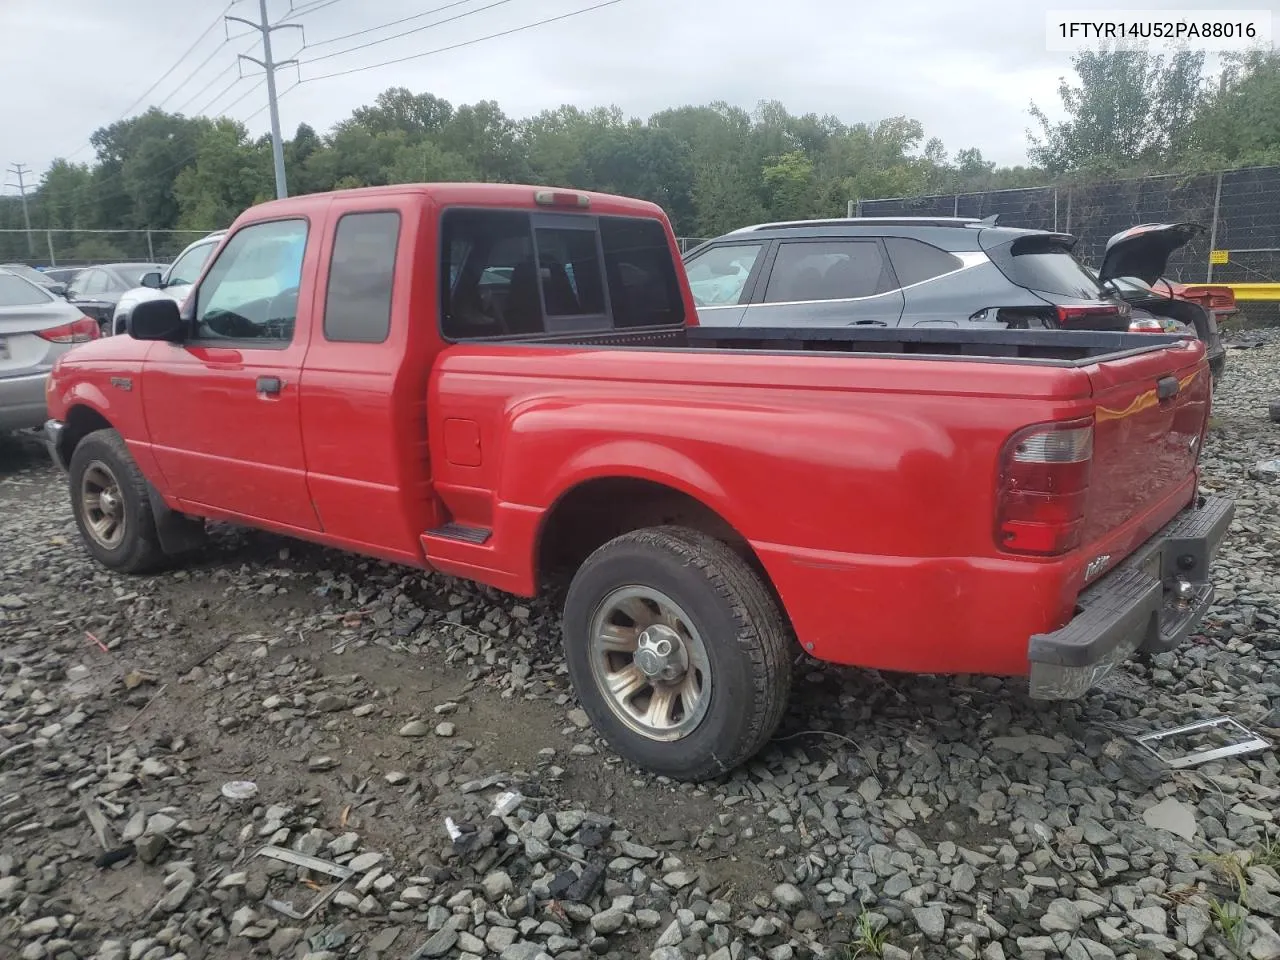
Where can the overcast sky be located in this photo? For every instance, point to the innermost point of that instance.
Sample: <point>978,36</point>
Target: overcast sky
<point>966,70</point>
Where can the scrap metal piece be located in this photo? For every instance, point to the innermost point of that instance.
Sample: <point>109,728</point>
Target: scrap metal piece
<point>343,874</point>
<point>1250,742</point>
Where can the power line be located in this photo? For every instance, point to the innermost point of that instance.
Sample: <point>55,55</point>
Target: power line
<point>405,33</point>
<point>254,89</point>
<point>393,23</point>
<point>96,192</point>
<point>305,9</point>
<point>187,79</point>
<point>205,110</point>
<point>464,43</point>
<point>181,60</point>
<point>201,92</point>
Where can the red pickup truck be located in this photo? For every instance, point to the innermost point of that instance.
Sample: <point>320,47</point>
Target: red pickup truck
<point>503,382</point>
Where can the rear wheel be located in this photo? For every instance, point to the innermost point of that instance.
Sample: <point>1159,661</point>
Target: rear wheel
<point>111,506</point>
<point>677,652</point>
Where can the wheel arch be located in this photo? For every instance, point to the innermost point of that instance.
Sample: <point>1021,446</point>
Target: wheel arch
<point>591,512</point>
<point>81,420</point>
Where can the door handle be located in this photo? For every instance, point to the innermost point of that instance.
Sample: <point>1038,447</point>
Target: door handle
<point>271,386</point>
<point>1166,388</point>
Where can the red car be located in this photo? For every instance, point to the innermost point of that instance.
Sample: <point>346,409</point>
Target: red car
<point>505,382</point>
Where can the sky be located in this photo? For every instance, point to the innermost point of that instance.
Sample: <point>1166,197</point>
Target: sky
<point>967,71</point>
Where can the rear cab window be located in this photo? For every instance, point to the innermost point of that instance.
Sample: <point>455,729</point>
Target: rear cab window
<point>518,273</point>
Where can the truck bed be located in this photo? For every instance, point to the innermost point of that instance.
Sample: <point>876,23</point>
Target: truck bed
<point>1042,347</point>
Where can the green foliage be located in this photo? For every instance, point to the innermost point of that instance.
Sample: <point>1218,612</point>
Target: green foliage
<point>713,168</point>
<point>869,936</point>
<point>1128,109</point>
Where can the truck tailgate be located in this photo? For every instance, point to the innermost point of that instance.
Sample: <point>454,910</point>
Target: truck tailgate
<point>1150,417</point>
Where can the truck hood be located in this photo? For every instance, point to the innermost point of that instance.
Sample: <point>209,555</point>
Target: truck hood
<point>1143,251</point>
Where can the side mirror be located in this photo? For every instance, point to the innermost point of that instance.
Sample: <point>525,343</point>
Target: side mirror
<point>58,289</point>
<point>151,279</point>
<point>158,319</point>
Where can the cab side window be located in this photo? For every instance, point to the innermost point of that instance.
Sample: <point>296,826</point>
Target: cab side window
<point>251,291</point>
<point>362,267</point>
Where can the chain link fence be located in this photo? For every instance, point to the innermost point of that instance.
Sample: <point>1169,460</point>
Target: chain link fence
<point>79,248</point>
<point>1240,210</point>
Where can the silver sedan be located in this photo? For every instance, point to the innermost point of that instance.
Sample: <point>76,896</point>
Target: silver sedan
<point>36,327</point>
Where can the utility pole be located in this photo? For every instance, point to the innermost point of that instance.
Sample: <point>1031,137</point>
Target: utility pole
<point>20,170</point>
<point>269,66</point>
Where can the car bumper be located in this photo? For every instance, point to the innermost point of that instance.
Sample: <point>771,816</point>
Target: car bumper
<point>53,440</point>
<point>1150,602</point>
<point>22,402</point>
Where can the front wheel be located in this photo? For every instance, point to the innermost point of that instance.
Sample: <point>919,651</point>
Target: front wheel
<point>677,652</point>
<point>111,506</point>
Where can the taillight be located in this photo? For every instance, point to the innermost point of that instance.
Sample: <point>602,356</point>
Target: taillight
<point>1146,325</point>
<point>1044,481</point>
<point>1070,316</point>
<point>78,331</point>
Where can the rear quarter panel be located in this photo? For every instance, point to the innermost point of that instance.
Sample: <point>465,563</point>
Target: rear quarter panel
<point>864,485</point>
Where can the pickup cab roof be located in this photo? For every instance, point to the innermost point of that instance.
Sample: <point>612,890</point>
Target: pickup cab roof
<point>505,195</point>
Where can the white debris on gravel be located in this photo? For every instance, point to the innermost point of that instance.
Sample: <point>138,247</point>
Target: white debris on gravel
<point>967,821</point>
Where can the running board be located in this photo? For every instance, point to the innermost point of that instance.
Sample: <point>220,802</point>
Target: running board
<point>460,533</point>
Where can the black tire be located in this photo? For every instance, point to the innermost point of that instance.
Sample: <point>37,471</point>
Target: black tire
<point>138,549</point>
<point>747,644</point>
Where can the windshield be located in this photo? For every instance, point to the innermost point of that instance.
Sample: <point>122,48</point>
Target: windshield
<point>17,292</point>
<point>186,269</point>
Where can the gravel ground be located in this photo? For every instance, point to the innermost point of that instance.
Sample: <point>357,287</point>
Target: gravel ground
<point>419,731</point>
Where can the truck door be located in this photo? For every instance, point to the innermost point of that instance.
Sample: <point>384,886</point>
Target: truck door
<point>364,424</point>
<point>223,407</point>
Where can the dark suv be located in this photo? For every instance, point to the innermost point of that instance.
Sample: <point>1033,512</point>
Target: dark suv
<point>919,271</point>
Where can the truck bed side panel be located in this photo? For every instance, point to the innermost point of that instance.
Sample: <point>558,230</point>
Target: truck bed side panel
<point>854,474</point>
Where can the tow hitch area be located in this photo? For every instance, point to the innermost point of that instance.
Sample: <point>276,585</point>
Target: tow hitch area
<point>1151,601</point>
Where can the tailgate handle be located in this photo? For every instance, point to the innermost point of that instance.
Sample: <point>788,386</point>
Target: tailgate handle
<point>1166,388</point>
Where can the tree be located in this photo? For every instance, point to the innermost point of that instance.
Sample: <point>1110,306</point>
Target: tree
<point>1239,124</point>
<point>229,173</point>
<point>414,114</point>
<point>426,162</point>
<point>1127,109</point>
<point>789,183</point>
<point>139,161</point>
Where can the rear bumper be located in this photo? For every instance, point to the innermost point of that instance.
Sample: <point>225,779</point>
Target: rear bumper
<point>1151,602</point>
<point>22,402</point>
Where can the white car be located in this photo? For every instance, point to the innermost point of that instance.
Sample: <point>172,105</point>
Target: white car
<point>174,283</point>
